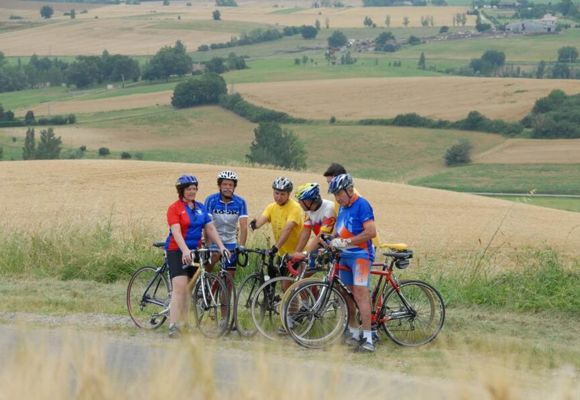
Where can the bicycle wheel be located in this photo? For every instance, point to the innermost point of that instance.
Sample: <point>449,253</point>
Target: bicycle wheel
<point>211,305</point>
<point>230,285</point>
<point>243,311</point>
<point>266,307</point>
<point>316,315</point>
<point>148,298</point>
<point>413,316</point>
<point>291,290</point>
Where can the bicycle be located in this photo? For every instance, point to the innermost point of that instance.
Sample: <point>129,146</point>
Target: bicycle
<point>210,296</point>
<point>411,313</point>
<point>149,296</point>
<point>248,288</point>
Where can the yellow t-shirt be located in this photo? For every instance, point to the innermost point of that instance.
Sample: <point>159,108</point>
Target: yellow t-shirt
<point>376,240</point>
<point>279,216</point>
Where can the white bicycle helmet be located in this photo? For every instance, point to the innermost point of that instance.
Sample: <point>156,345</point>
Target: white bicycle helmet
<point>228,175</point>
<point>283,184</point>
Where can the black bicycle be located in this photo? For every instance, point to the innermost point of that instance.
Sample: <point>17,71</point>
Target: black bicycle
<point>149,295</point>
<point>264,270</point>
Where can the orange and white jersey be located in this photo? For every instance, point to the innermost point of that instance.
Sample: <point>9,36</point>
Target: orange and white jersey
<point>321,220</point>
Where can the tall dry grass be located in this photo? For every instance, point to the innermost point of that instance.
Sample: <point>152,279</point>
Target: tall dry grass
<point>57,364</point>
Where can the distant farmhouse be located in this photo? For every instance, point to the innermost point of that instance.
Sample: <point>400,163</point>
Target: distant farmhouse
<point>545,25</point>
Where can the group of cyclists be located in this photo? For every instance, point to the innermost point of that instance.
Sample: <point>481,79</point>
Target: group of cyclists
<point>297,225</point>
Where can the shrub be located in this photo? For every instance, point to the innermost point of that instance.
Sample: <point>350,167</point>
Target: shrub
<point>332,119</point>
<point>337,39</point>
<point>125,155</point>
<point>197,91</point>
<point>104,151</point>
<point>459,153</point>
<point>253,113</point>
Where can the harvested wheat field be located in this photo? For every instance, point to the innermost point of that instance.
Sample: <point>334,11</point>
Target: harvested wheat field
<point>41,194</point>
<point>343,17</point>
<point>92,37</point>
<point>143,29</point>
<point>30,10</point>
<point>445,97</point>
<point>528,151</point>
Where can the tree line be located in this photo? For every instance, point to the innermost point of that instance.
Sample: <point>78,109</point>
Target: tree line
<point>82,72</point>
<point>86,71</point>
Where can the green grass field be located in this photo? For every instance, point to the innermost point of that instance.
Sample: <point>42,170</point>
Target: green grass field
<point>561,203</point>
<point>516,48</point>
<point>507,178</point>
<point>384,153</point>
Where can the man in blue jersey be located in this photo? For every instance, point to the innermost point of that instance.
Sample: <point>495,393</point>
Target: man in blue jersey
<point>227,211</point>
<point>354,230</point>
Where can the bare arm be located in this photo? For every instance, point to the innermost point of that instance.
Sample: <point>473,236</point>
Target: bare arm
<point>261,220</point>
<point>303,239</point>
<point>243,231</point>
<point>369,232</point>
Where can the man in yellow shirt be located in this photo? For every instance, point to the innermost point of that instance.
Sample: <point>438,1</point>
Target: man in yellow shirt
<point>284,215</point>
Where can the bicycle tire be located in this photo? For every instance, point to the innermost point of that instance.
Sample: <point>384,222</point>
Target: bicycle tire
<point>266,307</point>
<point>211,306</point>
<point>289,292</point>
<point>231,286</point>
<point>148,298</point>
<point>320,320</point>
<point>243,311</point>
<point>420,324</point>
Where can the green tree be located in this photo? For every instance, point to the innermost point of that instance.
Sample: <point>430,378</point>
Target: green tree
<point>277,146</point>
<point>104,151</point>
<point>205,89</point>
<point>317,24</point>
<point>337,39</point>
<point>541,70</point>
<point>216,65</point>
<point>216,15</point>
<point>567,54</point>
<point>168,61</point>
<point>29,148</point>
<point>388,21</point>
<point>49,146</point>
<point>29,118</point>
<point>385,41</point>
<point>73,14</point>
<point>561,71</point>
<point>406,21</point>
<point>46,12</point>
<point>459,153</point>
<point>1,152</point>
<point>422,64</point>
<point>308,31</point>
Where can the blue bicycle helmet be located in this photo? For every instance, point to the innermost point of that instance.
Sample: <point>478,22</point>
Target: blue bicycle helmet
<point>308,191</point>
<point>340,182</point>
<point>186,180</point>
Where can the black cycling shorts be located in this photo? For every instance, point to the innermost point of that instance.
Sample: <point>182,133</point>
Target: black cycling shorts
<point>176,265</point>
